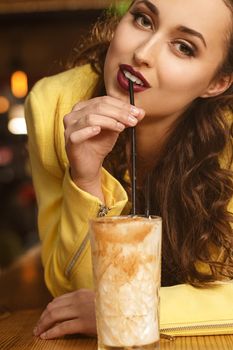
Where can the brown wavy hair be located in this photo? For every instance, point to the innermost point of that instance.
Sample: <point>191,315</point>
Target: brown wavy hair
<point>190,189</point>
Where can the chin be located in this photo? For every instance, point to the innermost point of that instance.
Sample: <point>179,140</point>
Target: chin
<point>115,93</point>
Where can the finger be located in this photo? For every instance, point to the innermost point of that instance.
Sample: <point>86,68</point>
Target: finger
<point>106,100</point>
<point>70,118</point>
<point>64,300</point>
<point>122,115</point>
<point>65,296</point>
<point>105,106</point>
<point>93,120</point>
<point>53,316</point>
<point>110,121</point>
<point>67,299</point>
<point>69,327</point>
<point>88,117</point>
<point>77,137</point>
<point>51,306</point>
<point>71,295</point>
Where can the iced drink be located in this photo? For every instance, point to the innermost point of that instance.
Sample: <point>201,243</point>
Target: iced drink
<point>126,256</point>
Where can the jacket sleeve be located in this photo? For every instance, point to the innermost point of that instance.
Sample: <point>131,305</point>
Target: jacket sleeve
<point>63,209</point>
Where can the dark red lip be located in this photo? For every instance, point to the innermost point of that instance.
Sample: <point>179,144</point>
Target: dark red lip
<point>124,83</point>
<point>137,74</point>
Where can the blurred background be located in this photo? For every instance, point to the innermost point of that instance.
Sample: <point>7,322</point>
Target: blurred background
<point>37,38</point>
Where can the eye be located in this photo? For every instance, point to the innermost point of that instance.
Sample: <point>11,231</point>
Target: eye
<point>184,48</point>
<point>142,20</point>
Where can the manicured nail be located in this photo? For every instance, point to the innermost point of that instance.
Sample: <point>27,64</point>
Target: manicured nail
<point>135,110</point>
<point>132,120</point>
<point>120,126</point>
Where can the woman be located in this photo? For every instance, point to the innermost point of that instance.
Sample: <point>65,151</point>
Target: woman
<point>180,56</point>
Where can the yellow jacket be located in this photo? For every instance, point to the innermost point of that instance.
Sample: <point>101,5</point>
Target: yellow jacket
<point>64,211</point>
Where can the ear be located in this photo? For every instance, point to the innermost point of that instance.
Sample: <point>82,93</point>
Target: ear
<point>218,86</point>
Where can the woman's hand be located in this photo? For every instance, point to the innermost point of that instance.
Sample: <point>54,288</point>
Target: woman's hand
<point>70,313</point>
<point>91,131</point>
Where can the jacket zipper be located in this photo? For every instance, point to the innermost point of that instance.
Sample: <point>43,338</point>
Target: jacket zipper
<point>103,211</point>
<point>197,327</point>
<point>76,255</point>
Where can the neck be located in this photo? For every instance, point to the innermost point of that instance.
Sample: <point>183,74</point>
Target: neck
<point>151,138</point>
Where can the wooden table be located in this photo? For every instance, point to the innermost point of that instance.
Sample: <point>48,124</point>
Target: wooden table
<point>23,296</point>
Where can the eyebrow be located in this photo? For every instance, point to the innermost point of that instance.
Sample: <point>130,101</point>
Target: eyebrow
<point>193,32</point>
<point>182,29</point>
<point>150,6</point>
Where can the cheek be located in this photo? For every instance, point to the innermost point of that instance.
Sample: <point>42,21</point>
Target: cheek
<point>183,77</point>
<point>120,49</point>
<point>122,42</point>
<point>114,51</point>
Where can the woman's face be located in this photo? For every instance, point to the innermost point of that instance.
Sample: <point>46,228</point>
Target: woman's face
<point>173,48</point>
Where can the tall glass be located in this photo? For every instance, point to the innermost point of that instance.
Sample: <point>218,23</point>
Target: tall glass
<point>126,256</point>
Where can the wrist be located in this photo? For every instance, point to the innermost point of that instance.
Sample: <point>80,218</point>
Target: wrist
<point>91,185</point>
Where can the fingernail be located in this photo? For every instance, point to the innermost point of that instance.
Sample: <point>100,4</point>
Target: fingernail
<point>35,331</point>
<point>96,129</point>
<point>43,335</point>
<point>135,110</point>
<point>120,126</point>
<point>132,120</point>
<point>142,112</point>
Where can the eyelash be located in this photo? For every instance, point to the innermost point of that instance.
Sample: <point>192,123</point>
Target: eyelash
<point>188,50</point>
<point>137,15</point>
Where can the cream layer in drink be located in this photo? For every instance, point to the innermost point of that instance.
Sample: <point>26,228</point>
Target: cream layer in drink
<point>126,253</point>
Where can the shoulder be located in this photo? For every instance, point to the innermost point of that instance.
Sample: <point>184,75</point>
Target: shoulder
<point>71,85</point>
<point>47,103</point>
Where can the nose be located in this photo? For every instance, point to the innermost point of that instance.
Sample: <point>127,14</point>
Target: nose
<point>145,53</point>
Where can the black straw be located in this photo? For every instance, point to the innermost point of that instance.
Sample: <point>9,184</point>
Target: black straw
<point>147,204</point>
<point>133,153</point>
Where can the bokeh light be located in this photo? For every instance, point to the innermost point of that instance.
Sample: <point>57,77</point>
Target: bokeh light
<point>17,124</point>
<point>4,105</point>
<point>19,84</point>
